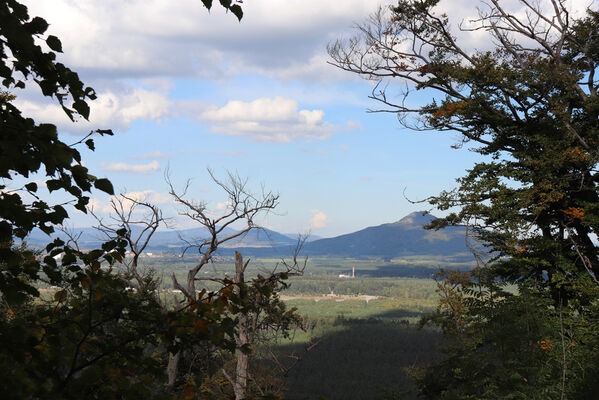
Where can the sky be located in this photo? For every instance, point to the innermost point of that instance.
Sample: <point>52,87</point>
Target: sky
<point>185,89</point>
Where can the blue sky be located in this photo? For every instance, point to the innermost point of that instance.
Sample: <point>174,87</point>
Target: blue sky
<point>186,89</point>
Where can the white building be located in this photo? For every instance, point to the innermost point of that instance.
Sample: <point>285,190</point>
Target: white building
<point>353,274</point>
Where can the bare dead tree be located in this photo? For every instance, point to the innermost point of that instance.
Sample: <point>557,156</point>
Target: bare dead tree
<point>135,220</point>
<point>267,315</point>
<point>242,209</point>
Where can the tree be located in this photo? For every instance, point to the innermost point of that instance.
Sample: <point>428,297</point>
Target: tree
<point>81,342</point>
<point>529,104</point>
<point>27,147</point>
<point>209,326</point>
<point>254,305</point>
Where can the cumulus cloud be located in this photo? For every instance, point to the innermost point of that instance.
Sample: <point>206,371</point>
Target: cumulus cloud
<point>110,110</point>
<point>268,119</point>
<point>225,205</point>
<point>319,219</point>
<point>132,168</point>
<point>155,38</point>
<point>148,196</point>
<point>98,206</point>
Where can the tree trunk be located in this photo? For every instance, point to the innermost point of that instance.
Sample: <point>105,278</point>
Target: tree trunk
<point>171,369</point>
<point>242,368</point>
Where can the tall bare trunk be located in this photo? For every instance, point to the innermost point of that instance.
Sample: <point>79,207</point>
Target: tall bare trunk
<point>171,369</point>
<point>242,368</point>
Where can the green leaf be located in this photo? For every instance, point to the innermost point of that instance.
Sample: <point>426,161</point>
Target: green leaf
<point>60,296</point>
<point>68,259</point>
<point>31,186</point>
<point>54,43</point>
<point>104,185</point>
<point>54,184</point>
<point>237,11</point>
<point>207,4</point>
<point>90,93</point>
<point>103,132</point>
<point>90,144</point>
<point>82,108</point>
<point>38,25</point>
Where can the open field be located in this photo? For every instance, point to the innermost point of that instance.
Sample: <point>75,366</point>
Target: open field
<point>319,274</point>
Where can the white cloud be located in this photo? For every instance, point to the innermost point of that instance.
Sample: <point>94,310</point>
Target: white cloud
<point>319,219</point>
<point>157,38</point>
<point>98,206</point>
<point>268,119</point>
<point>110,110</point>
<point>132,168</point>
<point>153,155</point>
<point>149,196</point>
<point>225,205</point>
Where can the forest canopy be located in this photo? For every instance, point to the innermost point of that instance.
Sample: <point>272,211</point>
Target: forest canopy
<point>529,104</point>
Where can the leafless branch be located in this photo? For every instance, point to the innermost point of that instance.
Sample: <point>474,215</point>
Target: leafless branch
<point>135,220</point>
<point>243,207</point>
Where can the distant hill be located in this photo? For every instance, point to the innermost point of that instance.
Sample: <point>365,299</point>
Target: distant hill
<point>311,237</point>
<point>405,237</point>
<point>92,238</point>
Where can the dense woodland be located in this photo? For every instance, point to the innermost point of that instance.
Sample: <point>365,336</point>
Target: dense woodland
<point>520,324</point>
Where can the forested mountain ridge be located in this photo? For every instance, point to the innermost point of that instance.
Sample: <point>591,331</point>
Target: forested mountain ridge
<point>404,237</point>
<point>400,238</point>
<point>172,239</point>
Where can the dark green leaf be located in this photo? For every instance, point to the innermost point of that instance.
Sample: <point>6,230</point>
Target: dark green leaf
<point>104,185</point>
<point>54,43</point>
<point>82,108</point>
<point>237,11</point>
<point>90,144</point>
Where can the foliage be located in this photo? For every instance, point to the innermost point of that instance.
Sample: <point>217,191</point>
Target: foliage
<point>28,147</point>
<point>89,339</point>
<point>95,338</point>
<point>509,345</point>
<point>530,105</point>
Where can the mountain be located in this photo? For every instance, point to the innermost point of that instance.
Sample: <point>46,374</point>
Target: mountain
<point>310,238</point>
<point>401,238</point>
<point>92,238</point>
<point>262,238</point>
<point>405,237</point>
